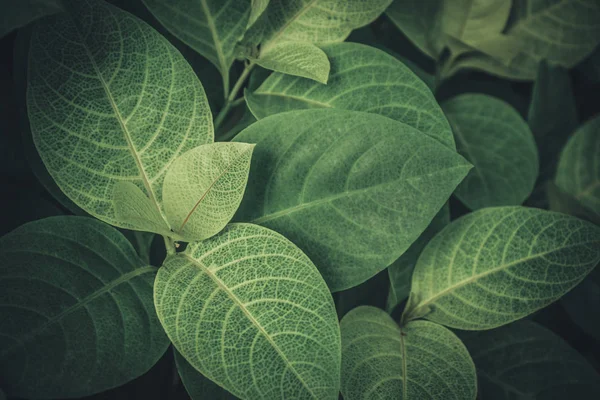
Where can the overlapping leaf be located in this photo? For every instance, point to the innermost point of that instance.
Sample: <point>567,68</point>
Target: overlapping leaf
<point>497,265</point>
<point>523,360</point>
<point>16,14</point>
<point>362,78</point>
<point>353,190</point>
<point>250,311</point>
<point>109,108</point>
<point>197,385</point>
<point>297,59</point>
<point>421,361</point>
<point>77,312</point>
<point>493,136</point>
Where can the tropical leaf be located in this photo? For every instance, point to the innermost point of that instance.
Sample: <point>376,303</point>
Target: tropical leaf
<point>204,187</point>
<point>77,310</point>
<point>258,7</point>
<point>298,59</point>
<point>497,141</point>
<point>578,171</point>
<point>211,27</point>
<point>400,272</point>
<point>362,78</point>
<point>112,108</point>
<point>582,304</point>
<point>197,385</point>
<point>497,265</point>
<point>524,360</point>
<point>353,190</point>
<point>18,14</point>
<point>221,302</point>
<point>421,361</point>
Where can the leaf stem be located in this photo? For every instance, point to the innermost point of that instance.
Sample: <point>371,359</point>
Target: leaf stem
<point>231,101</point>
<point>169,245</point>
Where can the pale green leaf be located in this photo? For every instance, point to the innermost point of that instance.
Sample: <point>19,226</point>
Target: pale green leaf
<point>353,190</point>
<point>578,171</point>
<point>16,14</point>
<point>497,265</point>
<point>316,21</point>
<point>204,187</point>
<point>297,59</point>
<point>497,141</point>
<point>250,311</point>
<point>211,27</point>
<point>400,272</point>
<point>420,21</point>
<point>134,207</point>
<point>77,311</point>
<point>109,108</point>
<point>524,360</point>
<point>197,385</point>
<point>421,361</point>
<point>362,78</point>
<point>258,7</point>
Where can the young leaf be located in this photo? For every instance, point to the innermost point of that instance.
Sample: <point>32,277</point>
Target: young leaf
<point>297,59</point>
<point>400,272</point>
<point>204,187</point>
<point>131,205</point>
<point>16,14</point>
<point>420,21</point>
<point>362,78</point>
<point>77,310</point>
<point>421,361</point>
<point>315,21</point>
<point>493,136</point>
<point>351,189</point>
<point>250,311</point>
<point>198,386</point>
<point>108,108</point>
<point>211,27</point>
<point>526,361</point>
<point>497,265</point>
<point>578,171</point>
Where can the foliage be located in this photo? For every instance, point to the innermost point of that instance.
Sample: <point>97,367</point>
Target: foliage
<point>297,210</point>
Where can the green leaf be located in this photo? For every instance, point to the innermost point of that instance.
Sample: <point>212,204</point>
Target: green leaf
<point>497,265</point>
<point>578,171</point>
<point>497,141</point>
<point>420,21</point>
<point>421,361</point>
<point>197,385</point>
<point>362,78</point>
<point>567,203</point>
<point>141,242</point>
<point>204,187</point>
<point>523,360</point>
<point>211,27</point>
<point>353,190</point>
<point>111,108</point>
<point>400,272</point>
<point>297,59</point>
<point>583,302</point>
<point>258,7</point>
<point>16,14</point>
<point>315,21</point>
<point>250,311</point>
<point>77,310</point>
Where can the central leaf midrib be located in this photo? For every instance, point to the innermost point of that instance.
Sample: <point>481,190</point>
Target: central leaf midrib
<point>215,35</point>
<point>250,317</point>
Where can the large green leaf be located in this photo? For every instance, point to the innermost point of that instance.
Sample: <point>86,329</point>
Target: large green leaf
<point>421,361</point>
<point>297,59</point>
<point>497,265</point>
<point>353,190</point>
<point>523,360</point>
<point>495,138</point>
<point>578,171</point>
<point>315,21</point>
<point>211,27</point>
<point>109,108</point>
<point>250,311</point>
<point>400,272</point>
<point>77,312</point>
<point>16,14</point>
<point>204,187</point>
<point>420,21</point>
<point>362,78</point>
<point>197,385</point>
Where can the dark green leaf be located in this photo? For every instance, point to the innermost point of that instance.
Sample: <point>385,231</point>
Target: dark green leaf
<point>197,385</point>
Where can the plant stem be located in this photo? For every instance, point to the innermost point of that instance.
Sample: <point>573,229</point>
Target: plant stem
<point>229,102</point>
<point>169,245</point>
